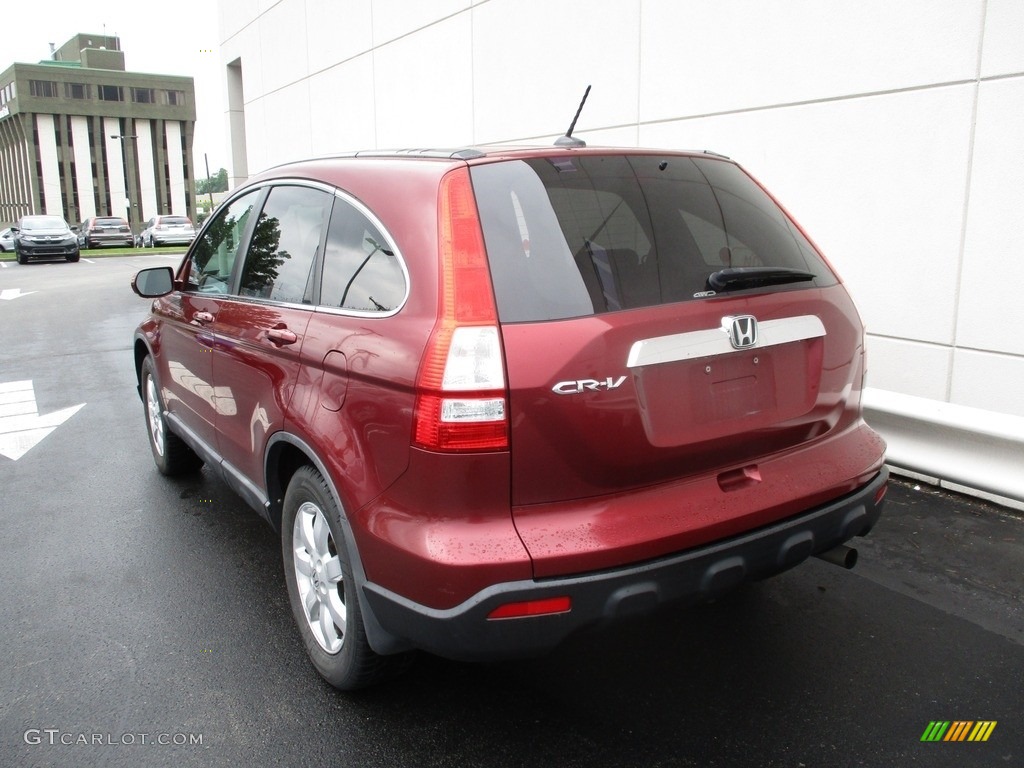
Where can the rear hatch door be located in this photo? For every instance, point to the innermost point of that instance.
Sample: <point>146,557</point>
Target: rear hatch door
<point>625,367</point>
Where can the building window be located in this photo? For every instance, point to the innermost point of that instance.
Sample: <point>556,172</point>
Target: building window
<point>143,96</point>
<point>175,98</point>
<point>111,92</point>
<point>77,91</point>
<point>44,88</point>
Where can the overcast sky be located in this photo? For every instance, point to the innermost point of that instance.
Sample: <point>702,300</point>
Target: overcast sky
<point>168,38</point>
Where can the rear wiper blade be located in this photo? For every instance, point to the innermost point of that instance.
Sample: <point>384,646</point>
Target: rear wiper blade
<point>736,278</point>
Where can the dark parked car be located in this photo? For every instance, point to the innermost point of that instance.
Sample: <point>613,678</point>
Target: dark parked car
<point>491,397</point>
<point>168,230</point>
<point>46,236</point>
<point>98,231</point>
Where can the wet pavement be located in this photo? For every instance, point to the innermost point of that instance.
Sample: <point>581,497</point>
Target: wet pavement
<point>145,620</point>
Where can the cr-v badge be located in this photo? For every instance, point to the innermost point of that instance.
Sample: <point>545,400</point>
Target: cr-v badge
<point>587,385</point>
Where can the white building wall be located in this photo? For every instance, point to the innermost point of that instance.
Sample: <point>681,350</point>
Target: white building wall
<point>46,131</point>
<point>175,167</point>
<point>115,168</point>
<point>893,131</point>
<point>147,207</point>
<point>83,167</point>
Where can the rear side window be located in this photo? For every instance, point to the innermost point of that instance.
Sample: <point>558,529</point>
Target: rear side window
<point>575,236</point>
<point>361,270</point>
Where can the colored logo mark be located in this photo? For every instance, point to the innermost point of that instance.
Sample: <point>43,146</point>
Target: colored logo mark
<point>958,730</point>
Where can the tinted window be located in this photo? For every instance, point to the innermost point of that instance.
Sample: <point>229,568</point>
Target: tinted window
<point>43,222</point>
<point>361,270</point>
<point>214,254</point>
<point>575,236</point>
<point>284,244</point>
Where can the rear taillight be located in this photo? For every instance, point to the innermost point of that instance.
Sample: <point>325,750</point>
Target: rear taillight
<point>461,402</point>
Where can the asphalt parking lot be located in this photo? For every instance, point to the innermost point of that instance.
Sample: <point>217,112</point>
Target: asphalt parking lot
<point>146,622</point>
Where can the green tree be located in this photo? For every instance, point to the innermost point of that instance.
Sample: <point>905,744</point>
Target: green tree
<point>216,183</point>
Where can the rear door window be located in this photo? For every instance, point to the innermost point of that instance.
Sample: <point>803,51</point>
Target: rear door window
<point>575,236</point>
<point>284,244</point>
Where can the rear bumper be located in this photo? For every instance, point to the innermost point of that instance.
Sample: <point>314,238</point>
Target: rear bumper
<point>464,632</point>
<point>172,239</point>
<point>98,241</point>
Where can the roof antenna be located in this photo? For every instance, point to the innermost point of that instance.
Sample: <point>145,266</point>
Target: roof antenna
<point>568,140</point>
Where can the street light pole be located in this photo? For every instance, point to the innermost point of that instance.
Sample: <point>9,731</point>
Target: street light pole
<point>209,186</point>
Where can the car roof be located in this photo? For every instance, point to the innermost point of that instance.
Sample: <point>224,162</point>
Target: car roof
<point>344,168</point>
<point>475,154</point>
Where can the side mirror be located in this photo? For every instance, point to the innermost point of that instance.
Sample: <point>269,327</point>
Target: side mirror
<point>15,230</point>
<point>153,283</point>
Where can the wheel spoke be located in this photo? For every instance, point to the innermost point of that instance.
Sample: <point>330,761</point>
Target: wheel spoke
<point>337,610</point>
<point>305,521</point>
<point>332,570</point>
<point>321,534</point>
<point>330,632</point>
<point>310,601</point>
<point>303,563</point>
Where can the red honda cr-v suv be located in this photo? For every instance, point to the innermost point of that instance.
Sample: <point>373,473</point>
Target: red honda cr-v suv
<point>491,397</point>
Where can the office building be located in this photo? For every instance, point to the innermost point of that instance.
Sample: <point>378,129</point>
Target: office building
<point>81,136</point>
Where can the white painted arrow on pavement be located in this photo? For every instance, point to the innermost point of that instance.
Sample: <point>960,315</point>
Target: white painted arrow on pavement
<point>21,426</point>
<point>13,293</point>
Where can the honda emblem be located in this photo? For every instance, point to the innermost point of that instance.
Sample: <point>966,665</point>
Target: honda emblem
<point>742,331</point>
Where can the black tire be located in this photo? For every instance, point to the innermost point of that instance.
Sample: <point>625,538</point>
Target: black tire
<point>171,454</point>
<point>22,258</point>
<point>316,555</point>
<point>74,256</point>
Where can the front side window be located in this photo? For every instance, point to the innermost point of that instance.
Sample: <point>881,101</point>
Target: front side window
<point>284,244</point>
<point>213,257</point>
<point>361,270</point>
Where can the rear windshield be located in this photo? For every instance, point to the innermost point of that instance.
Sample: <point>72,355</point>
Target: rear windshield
<point>575,236</point>
<point>111,222</point>
<point>175,220</point>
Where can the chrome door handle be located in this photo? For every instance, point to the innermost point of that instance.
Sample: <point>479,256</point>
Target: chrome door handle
<point>281,336</point>
<point>202,317</point>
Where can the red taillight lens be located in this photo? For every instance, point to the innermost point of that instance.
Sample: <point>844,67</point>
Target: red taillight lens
<point>526,608</point>
<point>461,402</point>
<point>880,494</point>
